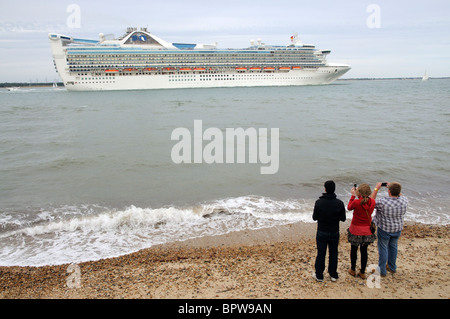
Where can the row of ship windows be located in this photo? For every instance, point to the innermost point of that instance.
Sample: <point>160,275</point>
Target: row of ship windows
<point>159,55</point>
<point>94,82</point>
<point>187,63</point>
<point>237,78</point>
<point>178,56</point>
<point>201,59</point>
<point>190,79</point>
<point>193,78</point>
<point>234,79</point>
<point>194,59</point>
<point>80,72</point>
<point>184,75</point>
<point>88,68</point>
<point>99,78</point>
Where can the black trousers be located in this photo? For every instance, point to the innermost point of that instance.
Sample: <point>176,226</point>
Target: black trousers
<point>354,256</point>
<point>326,240</point>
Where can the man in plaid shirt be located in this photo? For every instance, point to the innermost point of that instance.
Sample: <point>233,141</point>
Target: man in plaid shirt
<point>389,220</point>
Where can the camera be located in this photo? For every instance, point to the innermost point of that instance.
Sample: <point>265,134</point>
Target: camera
<point>384,184</point>
<point>355,185</point>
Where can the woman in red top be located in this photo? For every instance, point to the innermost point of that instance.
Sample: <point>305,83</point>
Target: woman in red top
<point>359,234</point>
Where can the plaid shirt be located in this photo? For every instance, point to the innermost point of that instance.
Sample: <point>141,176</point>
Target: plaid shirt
<point>390,213</point>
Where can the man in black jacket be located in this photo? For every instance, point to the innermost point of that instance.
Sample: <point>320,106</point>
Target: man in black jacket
<point>328,211</point>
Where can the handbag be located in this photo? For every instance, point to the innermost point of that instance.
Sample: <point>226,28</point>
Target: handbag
<point>373,227</point>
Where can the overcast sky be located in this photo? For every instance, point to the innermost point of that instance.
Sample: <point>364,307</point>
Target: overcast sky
<point>377,38</point>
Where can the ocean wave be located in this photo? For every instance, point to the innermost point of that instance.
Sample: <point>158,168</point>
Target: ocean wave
<point>131,217</point>
<point>138,218</point>
<point>90,232</point>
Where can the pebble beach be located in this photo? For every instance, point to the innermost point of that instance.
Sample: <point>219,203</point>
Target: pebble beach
<point>271,263</point>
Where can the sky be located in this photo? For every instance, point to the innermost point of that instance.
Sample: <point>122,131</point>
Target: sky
<point>389,38</point>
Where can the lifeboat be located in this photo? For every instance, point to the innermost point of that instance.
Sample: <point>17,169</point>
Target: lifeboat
<point>130,69</point>
<point>151,69</point>
<point>111,70</point>
<point>168,69</point>
<point>269,69</point>
<point>199,69</point>
<point>255,68</point>
<point>296,67</point>
<point>284,68</point>
<point>241,69</point>
<point>185,69</point>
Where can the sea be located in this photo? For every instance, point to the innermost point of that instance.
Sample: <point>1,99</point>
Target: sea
<point>91,175</point>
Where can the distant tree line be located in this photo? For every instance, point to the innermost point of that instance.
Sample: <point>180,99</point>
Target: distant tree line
<point>24,84</point>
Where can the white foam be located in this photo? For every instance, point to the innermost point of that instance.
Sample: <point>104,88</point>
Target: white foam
<point>270,209</point>
<point>111,233</point>
<point>75,234</point>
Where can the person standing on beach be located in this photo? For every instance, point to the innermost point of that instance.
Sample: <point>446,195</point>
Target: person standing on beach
<point>359,233</point>
<point>328,212</point>
<point>389,218</point>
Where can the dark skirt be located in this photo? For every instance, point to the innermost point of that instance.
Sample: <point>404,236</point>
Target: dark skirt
<point>357,240</point>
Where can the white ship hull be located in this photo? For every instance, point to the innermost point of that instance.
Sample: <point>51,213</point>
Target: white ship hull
<point>323,75</point>
<point>87,65</point>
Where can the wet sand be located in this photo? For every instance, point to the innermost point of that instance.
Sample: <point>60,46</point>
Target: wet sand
<point>261,264</point>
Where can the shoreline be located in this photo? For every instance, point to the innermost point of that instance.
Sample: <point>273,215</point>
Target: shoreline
<point>270,263</point>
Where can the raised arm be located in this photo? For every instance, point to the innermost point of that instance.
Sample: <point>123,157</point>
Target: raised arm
<point>352,199</point>
<point>375,190</point>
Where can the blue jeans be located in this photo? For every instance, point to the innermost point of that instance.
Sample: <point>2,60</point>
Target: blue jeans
<point>387,250</point>
<point>324,240</point>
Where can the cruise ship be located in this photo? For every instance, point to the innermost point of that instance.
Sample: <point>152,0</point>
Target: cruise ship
<point>140,60</point>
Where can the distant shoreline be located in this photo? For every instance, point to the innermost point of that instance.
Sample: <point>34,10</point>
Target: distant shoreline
<point>23,84</point>
<point>61,84</point>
